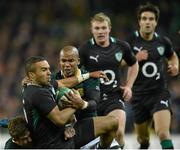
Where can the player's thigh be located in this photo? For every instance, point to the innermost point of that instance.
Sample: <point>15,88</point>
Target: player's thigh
<point>104,124</point>
<point>113,102</point>
<point>162,120</point>
<point>143,129</point>
<point>142,106</point>
<point>121,116</point>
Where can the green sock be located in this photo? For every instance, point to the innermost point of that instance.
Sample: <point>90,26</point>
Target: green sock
<point>167,144</point>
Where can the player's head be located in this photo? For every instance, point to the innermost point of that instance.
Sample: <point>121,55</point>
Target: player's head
<point>19,131</point>
<point>38,70</point>
<point>148,16</point>
<point>69,60</point>
<point>101,28</point>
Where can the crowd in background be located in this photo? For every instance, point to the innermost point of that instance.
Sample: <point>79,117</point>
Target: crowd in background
<point>43,27</point>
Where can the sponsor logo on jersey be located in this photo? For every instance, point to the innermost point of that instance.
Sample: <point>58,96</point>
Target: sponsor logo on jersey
<point>104,97</point>
<point>121,102</point>
<point>118,56</point>
<point>164,102</point>
<point>94,58</point>
<point>160,50</point>
<point>137,48</point>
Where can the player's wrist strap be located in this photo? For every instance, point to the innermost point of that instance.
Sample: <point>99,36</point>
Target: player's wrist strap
<point>83,77</point>
<point>85,105</point>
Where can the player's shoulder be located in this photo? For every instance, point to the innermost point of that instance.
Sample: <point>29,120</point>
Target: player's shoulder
<point>133,36</point>
<point>37,90</point>
<point>164,39</point>
<point>89,43</point>
<point>121,43</point>
<point>83,70</point>
<point>86,46</point>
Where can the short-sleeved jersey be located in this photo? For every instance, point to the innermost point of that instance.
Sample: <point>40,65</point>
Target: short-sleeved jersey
<point>89,91</point>
<point>11,145</point>
<point>108,59</point>
<point>151,77</point>
<point>38,102</point>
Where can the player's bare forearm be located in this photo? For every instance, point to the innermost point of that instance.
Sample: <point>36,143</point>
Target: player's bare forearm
<point>73,81</point>
<point>98,74</point>
<point>132,74</point>
<point>61,117</point>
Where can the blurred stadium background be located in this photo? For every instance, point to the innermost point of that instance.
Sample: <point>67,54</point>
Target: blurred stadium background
<point>43,27</point>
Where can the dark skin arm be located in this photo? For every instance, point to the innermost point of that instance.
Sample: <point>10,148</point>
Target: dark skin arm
<point>71,81</point>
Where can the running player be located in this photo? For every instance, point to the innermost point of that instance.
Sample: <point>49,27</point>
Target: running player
<point>151,99</point>
<point>103,52</point>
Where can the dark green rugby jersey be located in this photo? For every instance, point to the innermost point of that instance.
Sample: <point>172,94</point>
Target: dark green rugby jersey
<point>107,59</point>
<point>89,91</point>
<point>152,72</point>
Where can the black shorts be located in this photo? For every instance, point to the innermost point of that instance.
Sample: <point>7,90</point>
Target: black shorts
<point>144,106</point>
<point>84,132</point>
<point>109,103</point>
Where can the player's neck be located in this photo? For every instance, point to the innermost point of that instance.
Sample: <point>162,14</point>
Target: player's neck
<point>103,44</point>
<point>147,36</point>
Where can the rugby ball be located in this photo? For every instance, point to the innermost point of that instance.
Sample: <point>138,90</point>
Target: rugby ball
<point>60,96</point>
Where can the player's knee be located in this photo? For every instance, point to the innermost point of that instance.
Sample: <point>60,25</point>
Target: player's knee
<point>120,133</point>
<point>113,123</point>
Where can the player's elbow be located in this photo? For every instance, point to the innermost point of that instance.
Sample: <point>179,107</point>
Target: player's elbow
<point>92,105</point>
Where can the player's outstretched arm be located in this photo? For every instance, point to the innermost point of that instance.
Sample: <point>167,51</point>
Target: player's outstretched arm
<point>73,81</point>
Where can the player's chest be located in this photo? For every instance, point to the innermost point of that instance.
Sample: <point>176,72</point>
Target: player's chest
<point>80,88</point>
<point>155,49</point>
<point>106,57</point>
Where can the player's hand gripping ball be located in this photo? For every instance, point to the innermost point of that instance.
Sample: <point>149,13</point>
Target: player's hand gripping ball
<point>61,99</point>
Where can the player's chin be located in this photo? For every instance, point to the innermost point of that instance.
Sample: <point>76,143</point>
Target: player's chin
<point>148,30</point>
<point>47,82</point>
<point>101,39</point>
<point>68,73</point>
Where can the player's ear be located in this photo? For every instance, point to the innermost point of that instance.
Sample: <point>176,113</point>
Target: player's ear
<point>31,75</point>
